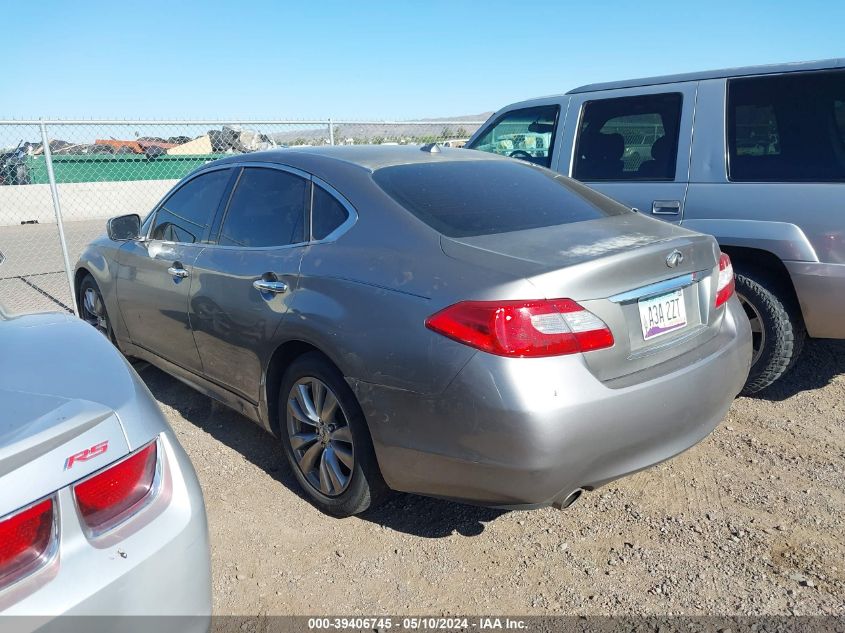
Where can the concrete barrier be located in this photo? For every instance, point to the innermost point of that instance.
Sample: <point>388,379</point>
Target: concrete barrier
<point>80,200</point>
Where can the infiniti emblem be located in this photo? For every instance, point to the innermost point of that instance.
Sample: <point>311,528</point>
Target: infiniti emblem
<point>674,258</point>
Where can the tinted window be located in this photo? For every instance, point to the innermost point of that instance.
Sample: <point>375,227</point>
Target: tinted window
<point>185,216</point>
<point>327,214</point>
<point>466,198</point>
<point>787,128</point>
<point>527,134</point>
<point>267,209</point>
<point>630,138</point>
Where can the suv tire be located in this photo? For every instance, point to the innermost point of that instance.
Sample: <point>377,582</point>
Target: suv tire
<point>779,332</point>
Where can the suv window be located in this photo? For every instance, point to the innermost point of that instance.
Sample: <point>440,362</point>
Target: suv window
<point>527,134</point>
<point>482,197</point>
<point>787,128</point>
<point>185,215</point>
<point>267,209</point>
<point>327,213</point>
<point>629,138</point>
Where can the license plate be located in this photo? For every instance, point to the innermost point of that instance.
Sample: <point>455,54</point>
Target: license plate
<point>662,314</point>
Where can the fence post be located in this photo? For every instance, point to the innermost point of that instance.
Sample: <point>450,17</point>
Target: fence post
<point>331,132</point>
<point>57,207</point>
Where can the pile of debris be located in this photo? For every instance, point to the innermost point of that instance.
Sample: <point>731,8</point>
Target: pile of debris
<point>228,140</point>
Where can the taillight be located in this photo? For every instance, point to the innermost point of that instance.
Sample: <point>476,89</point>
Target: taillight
<point>105,498</point>
<point>726,284</point>
<point>523,328</point>
<point>25,538</point>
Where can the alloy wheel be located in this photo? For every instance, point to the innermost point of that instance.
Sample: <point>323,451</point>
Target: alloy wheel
<point>758,332</point>
<point>319,434</point>
<point>93,310</point>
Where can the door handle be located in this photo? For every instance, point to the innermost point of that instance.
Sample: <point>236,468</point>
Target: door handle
<point>275,287</point>
<point>666,207</point>
<point>178,271</point>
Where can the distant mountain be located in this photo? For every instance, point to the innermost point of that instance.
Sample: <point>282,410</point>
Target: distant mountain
<point>386,131</point>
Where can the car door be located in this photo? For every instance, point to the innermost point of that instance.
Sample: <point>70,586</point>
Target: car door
<point>154,273</point>
<point>633,145</point>
<point>245,282</point>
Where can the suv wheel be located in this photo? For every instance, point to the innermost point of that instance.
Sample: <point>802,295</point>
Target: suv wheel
<point>326,440</point>
<point>777,328</point>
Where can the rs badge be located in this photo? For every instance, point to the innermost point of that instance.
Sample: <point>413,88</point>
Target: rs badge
<point>88,453</point>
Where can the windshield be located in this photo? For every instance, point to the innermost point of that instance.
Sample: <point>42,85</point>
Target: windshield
<point>468,198</point>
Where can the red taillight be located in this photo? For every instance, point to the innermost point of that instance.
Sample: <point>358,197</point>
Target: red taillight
<point>107,496</point>
<point>24,538</point>
<point>726,285</point>
<point>523,328</point>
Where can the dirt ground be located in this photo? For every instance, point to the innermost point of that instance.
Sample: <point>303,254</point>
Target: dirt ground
<point>750,521</point>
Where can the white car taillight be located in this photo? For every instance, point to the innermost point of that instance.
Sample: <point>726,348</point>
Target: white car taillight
<point>26,537</point>
<point>110,495</point>
<point>726,285</point>
<point>542,327</point>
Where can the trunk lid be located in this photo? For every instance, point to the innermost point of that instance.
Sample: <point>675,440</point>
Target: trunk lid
<point>48,442</point>
<point>609,266</point>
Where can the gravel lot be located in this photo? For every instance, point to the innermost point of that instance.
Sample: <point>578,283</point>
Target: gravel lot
<point>750,521</point>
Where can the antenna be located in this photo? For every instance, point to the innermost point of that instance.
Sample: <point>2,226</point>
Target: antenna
<point>431,148</point>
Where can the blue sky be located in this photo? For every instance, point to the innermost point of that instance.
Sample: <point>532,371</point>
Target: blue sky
<point>320,58</point>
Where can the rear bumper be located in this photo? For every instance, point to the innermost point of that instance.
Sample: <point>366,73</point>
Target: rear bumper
<point>158,567</point>
<point>821,293</point>
<point>527,432</point>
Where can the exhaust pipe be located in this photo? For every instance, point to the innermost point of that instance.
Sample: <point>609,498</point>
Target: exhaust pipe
<point>567,501</point>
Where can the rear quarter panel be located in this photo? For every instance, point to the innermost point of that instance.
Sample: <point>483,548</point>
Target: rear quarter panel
<point>364,299</point>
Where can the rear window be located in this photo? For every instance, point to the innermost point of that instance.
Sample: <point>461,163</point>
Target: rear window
<point>787,128</point>
<point>466,198</point>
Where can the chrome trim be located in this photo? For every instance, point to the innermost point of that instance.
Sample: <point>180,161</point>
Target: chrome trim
<point>659,288</point>
<point>267,165</point>
<point>178,272</point>
<point>275,287</point>
<point>674,259</point>
<point>314,180</point>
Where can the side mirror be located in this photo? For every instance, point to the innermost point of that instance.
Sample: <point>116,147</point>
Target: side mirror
<point>124,227</point>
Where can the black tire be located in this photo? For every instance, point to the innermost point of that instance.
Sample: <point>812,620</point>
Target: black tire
<point>365,488</point>
<point>782,327</point>
<point>96,315</point>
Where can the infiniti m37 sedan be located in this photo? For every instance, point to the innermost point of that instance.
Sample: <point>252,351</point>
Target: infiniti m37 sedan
<point>428,320</point>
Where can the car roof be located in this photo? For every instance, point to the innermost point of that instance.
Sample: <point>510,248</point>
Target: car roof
<point>768,69</point>
<point>368,157</point>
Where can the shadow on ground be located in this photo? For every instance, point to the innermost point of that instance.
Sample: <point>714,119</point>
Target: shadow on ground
<point>821,361</point>
<point>417,516</point>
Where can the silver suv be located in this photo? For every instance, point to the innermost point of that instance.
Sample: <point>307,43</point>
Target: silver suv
<point>754,156</point>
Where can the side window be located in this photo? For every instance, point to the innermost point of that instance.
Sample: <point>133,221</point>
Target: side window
<point>787,128</point>
<point>185,215</point>
<point>527,134</point>
<point>266,209</point>
<point>327,214</point>
<point>629,138</point>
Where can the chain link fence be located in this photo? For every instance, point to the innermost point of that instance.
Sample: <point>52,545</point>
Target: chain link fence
<point>60,181</point>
